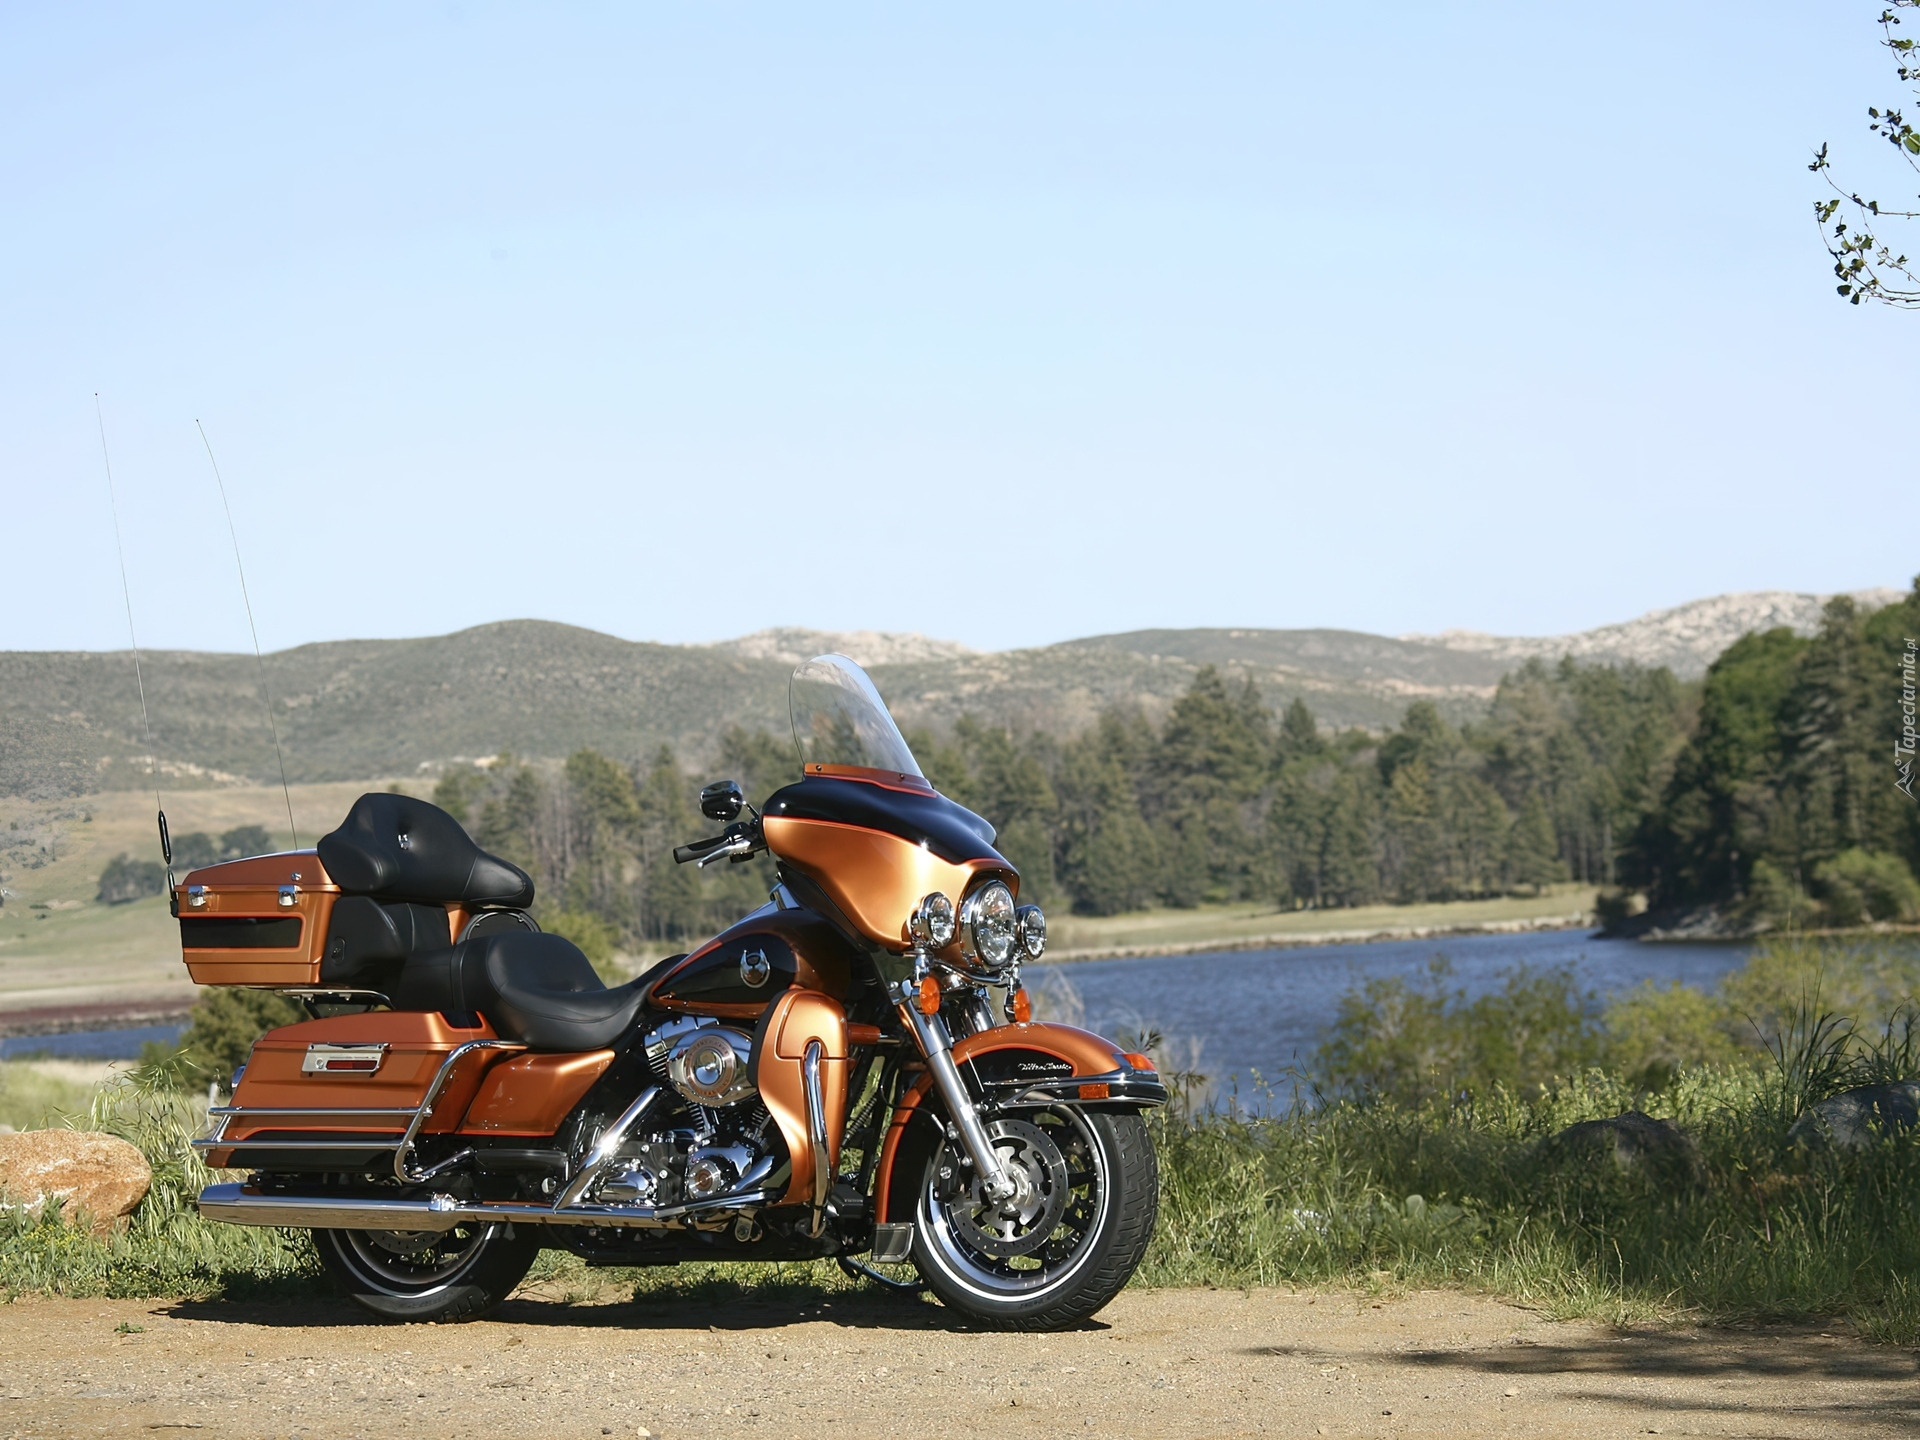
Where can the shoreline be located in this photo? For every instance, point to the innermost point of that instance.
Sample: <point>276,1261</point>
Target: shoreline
<point>1582,920</point>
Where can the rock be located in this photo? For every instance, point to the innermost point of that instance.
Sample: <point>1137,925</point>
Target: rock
<point>99,1174</point>
<point>1638,1144</point>
<point>1856,1118</point>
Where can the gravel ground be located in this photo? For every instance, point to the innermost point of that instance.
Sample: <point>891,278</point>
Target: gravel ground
<point>1157,1364</point>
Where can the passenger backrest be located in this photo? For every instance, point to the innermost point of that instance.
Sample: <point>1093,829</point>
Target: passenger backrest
<point>397,848</point>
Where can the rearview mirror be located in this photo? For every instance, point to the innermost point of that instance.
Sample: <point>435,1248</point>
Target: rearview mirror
<point>722,800</point>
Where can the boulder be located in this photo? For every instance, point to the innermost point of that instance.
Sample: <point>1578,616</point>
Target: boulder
<point>101,1175</point>
<point>1635,1143</point>
<point>1856,1118</point>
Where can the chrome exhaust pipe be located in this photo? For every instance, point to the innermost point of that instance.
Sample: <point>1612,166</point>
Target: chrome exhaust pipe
<point>235,1204</point>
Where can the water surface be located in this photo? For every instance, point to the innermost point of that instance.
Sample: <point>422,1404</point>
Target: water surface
<point>1238,1013</point>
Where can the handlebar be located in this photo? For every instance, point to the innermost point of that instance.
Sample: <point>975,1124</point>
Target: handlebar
<point>739,841</point>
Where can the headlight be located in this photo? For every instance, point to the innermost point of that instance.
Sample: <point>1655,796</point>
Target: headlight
<point>988,929</point>
<point>1033,930</point>
<point>931,924</point>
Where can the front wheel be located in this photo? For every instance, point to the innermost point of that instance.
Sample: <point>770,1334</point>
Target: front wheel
<point>1071,1235</point>
<point>456,1274</point>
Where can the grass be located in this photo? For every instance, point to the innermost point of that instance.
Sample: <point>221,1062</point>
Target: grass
<point>1162,932</point>
<point>35,1094</point>
<point>1477,1196</point>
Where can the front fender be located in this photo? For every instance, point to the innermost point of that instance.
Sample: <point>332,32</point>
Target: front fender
<point>1015,1064</point>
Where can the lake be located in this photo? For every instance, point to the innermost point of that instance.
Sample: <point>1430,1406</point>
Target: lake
<point>1234,1013</point>
<point>89,1044</point>
<point>1228,1014</point>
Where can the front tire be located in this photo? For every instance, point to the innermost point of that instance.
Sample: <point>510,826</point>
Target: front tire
<point>458,1274</point>
<point>1069,1239</point>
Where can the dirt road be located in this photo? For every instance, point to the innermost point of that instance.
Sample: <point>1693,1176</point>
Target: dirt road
<point>1155,1364</point>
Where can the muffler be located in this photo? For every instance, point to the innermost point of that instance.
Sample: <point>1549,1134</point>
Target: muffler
<point>235,1204</point>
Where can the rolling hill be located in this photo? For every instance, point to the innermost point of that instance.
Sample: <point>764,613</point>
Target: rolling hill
<point>70,721</point>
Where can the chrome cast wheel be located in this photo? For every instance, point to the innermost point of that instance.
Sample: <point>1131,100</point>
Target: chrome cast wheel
<point>1065,1241</point>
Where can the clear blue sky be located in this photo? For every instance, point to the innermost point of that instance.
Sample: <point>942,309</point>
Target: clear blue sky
<point>1003,323</point>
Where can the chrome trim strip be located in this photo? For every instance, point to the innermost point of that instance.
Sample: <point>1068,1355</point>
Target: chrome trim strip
<point>371,1143</point>
<point>1134,1087</point>
<point>239,1112</point>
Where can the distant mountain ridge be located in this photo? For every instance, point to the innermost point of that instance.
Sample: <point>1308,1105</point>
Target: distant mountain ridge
<point>1685,638</point>
<point>357,709</point>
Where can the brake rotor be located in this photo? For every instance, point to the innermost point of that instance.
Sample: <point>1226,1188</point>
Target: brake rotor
<point>1020,1224</point>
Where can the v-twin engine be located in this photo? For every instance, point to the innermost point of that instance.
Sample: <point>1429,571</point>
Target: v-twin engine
<point>717,1150</point>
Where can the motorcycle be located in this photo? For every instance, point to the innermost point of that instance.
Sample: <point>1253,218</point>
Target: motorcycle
<point>851,1071</point>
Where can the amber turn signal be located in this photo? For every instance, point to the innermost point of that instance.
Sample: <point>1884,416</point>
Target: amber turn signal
<point>929,995</point>
<point>1138,1062</point>
<point>1022,1006</point>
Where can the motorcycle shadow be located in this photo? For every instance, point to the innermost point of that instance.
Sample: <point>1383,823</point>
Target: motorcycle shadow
<point>707,1305</point>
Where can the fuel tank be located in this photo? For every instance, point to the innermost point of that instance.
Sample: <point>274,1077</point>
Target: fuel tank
<point>747,966</point>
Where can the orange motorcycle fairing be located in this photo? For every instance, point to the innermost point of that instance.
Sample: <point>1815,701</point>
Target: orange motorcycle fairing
<point>875,878</point>
<point>1084,1052</point>
<point>314,1076</point>
<point>794,1021</point>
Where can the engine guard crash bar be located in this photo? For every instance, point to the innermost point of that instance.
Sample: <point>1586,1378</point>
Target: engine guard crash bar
<point>417,1116</point>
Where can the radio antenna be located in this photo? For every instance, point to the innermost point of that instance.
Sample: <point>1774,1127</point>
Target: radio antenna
<point>266,696</point>
<point>126,594</point>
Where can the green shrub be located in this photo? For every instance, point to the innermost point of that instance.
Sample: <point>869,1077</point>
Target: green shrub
<point>126,879</point>
<point>1656,1031</point>
<point>1409,1043</point>
<point>1856,886</point>
<point>219,1036</point>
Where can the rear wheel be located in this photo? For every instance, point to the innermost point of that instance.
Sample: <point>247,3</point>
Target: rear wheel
<point>1086,1191</point>
<point>456,1274</point>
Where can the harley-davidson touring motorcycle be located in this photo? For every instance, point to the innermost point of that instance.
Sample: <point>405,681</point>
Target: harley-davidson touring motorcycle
<point>850,1071</point>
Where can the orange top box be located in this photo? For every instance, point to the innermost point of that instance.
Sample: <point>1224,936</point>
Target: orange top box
<point>261,921</point>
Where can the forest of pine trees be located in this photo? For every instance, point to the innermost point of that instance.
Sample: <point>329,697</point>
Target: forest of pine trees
<point>1768,786</point>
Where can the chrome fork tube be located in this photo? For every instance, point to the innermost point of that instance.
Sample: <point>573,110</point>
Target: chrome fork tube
<point>932,1038</point>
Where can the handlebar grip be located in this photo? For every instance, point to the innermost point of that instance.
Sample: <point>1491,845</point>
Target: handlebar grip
<point>693,851</point>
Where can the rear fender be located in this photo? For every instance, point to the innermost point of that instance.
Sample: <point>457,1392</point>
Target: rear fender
<point>1012,1064</point>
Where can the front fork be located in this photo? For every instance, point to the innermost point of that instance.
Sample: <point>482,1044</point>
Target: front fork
<point>937,1047</point>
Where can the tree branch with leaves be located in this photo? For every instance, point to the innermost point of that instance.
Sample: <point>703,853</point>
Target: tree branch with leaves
<point>1865,264</point>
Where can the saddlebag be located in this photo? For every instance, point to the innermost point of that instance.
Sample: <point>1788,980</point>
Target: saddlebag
<point>342,1094</point>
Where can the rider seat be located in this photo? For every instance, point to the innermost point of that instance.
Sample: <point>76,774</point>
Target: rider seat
<point>536,988</point>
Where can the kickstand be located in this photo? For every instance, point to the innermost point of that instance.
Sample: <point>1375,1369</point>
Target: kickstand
<point>855,1270</point>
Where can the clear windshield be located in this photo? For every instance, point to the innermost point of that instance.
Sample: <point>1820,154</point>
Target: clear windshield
<point>840,719</point>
